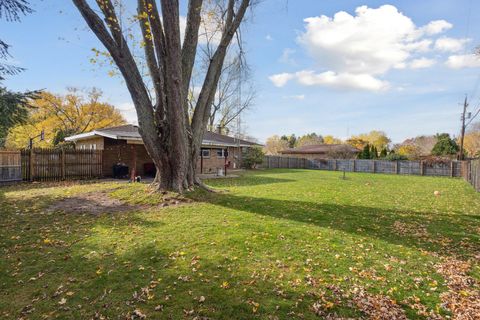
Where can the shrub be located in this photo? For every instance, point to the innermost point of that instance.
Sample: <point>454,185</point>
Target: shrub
<point>445,145</point>
<point>253,157</point>
<point>395,156</point>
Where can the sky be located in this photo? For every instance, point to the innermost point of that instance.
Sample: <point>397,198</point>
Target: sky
<point>331,67</point>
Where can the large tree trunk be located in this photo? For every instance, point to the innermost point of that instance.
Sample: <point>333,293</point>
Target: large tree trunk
<point>171,140</point>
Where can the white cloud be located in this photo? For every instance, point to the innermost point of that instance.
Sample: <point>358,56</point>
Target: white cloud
<point>281,79</point>
<point>463,61</point>
<point>332,79</point>
<point>422,63</point>
<point>341,80</point>
<point>450,44</point>
<point>286,56</point>
<point>355,51</point>
<point>296,97</point>
<point>268,37</point>
<point>436,27</point>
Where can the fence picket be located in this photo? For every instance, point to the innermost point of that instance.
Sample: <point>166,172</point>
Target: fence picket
<point>60,164</point>
<point>469,170</point>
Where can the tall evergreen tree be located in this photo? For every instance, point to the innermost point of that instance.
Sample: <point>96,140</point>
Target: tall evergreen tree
<point>11,10</point>
<point>373,152</point>
<point>383,153</point>
<point>13,105</point>
<point>365,154</point>
<point>13,110</point>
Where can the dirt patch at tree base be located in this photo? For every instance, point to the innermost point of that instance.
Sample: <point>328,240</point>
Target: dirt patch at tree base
<point>100,202</point>
<point>93,203</point>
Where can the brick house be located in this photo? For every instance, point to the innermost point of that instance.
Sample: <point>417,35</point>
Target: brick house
<point>124,145</point>
<point>322,151</point>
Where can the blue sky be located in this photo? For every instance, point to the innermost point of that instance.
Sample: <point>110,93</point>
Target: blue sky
<point>330,75</point>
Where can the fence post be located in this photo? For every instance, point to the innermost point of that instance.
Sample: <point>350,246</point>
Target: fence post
<point>396,166</point>
<point>374,165</point>
<point>422,169</point>
<point>451,169</point>
<point>31,156</point>
<point>335,165</point>
<point>354,165</point>
<point>62,161</point>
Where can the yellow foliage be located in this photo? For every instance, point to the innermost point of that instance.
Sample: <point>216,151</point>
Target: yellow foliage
<point>472,143</point>
<point>376,138</point>
<point>357,143</point>
<point>64,115</point>
<point>331,140</point>
<point>274,144</point>
<point>409,151</point>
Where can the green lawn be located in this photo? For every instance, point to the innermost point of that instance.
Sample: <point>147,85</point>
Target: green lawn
<point>275,244</point>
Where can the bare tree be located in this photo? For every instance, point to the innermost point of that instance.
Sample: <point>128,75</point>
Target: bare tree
<point>171,138</point>
<point>235,94</point>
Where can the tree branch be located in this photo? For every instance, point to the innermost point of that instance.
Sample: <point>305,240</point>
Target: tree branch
<point>149,49</point>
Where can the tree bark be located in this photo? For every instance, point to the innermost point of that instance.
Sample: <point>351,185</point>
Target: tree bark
<point>170,139</point>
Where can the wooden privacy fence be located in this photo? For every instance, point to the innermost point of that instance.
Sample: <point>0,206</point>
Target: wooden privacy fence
<point>472,174</point>
<point>10,166</point>
<point>60,164</point>
<point>444,169</point>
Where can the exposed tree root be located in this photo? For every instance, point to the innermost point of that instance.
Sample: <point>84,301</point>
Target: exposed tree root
<point>203,186</point>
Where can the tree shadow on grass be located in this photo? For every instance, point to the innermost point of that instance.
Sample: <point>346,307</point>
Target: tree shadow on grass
<point>253,180</point>
<point>110,265</point>
<point>96,279</point>
<point>447,234</point>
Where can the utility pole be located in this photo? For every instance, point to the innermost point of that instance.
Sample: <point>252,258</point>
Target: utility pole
<point>462,136</point>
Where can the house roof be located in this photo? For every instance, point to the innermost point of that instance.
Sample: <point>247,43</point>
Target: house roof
<point>130,132</point>
<point>320,149</point>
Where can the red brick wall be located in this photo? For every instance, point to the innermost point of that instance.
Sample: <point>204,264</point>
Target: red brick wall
<point>212,163</point>
<point>118,151</point>
<point>124,153</point>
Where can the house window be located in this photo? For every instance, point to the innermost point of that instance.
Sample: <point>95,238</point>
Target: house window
<point>206,153</point>
<point>221,153</point>
<point>93,147</point>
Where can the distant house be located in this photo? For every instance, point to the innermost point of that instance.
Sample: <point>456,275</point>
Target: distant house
<point>322,151</point>
<point>124,145</point>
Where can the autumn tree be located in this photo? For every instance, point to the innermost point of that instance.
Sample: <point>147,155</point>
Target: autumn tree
<point>60,116</point>
<point>375,138</point>
<point>309,139</point>
<point>274,145</point>
<point>329,139</point>
<point>417,146</point>
<point>356,143</point>
<point>411,151</point>
<point>171,137</point>
<point>291,140</point>
<point>472,140</point>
